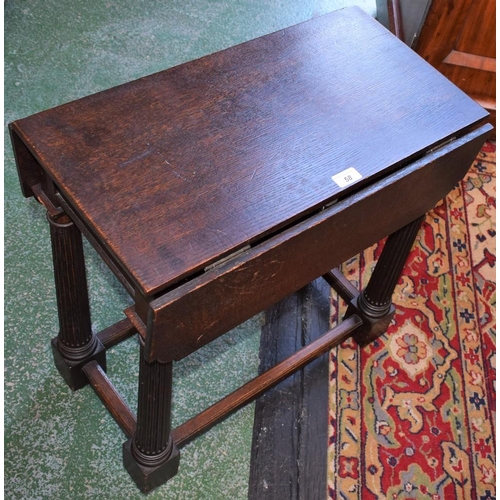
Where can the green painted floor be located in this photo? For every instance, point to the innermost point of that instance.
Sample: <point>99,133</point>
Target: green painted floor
<point>64,445</point>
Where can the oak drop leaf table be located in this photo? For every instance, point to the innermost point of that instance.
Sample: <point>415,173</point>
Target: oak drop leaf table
<point>216,188</point>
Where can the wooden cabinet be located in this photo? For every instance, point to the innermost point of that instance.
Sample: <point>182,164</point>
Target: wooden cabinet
<point>458,38</point>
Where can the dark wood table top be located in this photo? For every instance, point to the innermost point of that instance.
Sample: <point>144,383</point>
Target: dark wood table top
<point>183,167</point>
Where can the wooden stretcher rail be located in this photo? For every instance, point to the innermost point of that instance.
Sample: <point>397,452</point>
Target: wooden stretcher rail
<point>192,428</point>
<point>341,284</point>
<point>116,333</point>
<point>103,387</point>
<point>136,321</point>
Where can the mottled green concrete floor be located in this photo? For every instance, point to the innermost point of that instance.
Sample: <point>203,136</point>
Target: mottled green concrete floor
<point>64,445</point>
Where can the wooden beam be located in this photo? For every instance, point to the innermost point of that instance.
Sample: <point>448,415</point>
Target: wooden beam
<point>341,284</point>
<point>116,333</point>
<point>103,387</point>
<point>134,318</point>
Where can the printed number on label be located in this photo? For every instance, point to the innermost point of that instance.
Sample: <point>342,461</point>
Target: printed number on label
<point>346,177</point>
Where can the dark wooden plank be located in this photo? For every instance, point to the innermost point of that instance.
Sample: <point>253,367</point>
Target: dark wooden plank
<point>260,384</point>
<point>291,421</point>
<point>275,441</point>
<point>178,169</point>
<point>285,263</point>
<point>312,484</point>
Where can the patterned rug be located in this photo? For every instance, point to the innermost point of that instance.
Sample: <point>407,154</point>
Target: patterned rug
<point>413,414</point>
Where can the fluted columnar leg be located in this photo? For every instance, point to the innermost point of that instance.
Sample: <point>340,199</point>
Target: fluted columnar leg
<point>374,303</point>
<point>151,456</point>
<point>75,344</point>
<point>152,441</point>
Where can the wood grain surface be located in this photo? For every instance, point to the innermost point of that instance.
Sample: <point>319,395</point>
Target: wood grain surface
<point>178,169</point>
<point>235,291</point>
<point>458,39</point>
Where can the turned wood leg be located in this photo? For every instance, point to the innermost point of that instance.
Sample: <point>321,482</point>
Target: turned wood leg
<point>75,343</point>
<point>151,456</point>
<point>374,303</point>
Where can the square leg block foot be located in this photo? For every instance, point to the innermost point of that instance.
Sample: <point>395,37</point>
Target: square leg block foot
<point>149,478</point>
<point>71,371</point>
<point>372,328</point>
